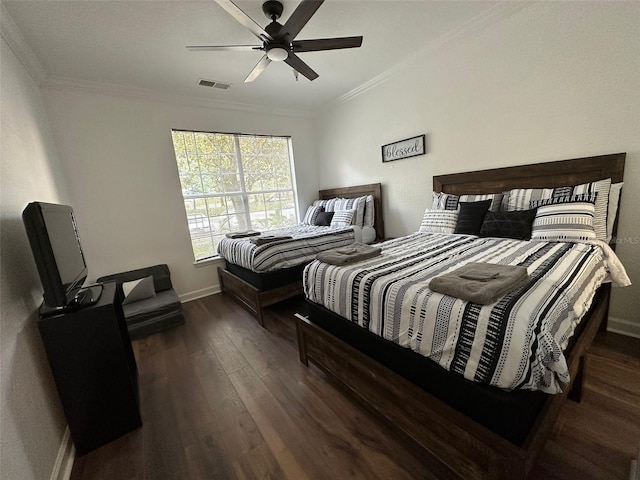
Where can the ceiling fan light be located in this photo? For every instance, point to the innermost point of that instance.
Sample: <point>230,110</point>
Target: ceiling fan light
<point>277,54</point>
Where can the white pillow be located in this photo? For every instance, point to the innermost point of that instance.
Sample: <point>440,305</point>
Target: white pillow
<point>137,290</point>
<point>369,212</point>
<point>564,222</point>
<point>439,221</point>
<point>342,218</point>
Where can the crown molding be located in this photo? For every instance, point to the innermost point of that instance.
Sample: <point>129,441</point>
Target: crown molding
<point>16,41</point>
<point>86,86</point>
<point>452,38</point>
<point>10,32</point>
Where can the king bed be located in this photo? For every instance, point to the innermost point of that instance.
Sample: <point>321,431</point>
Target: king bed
<point>262,276</point>
<point>481,416</point>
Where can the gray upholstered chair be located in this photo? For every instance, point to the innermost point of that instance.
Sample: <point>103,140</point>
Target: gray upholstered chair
<point>153,314</point>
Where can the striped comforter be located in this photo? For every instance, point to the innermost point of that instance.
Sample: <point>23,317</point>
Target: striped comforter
<point>514,343</point>
<point>307,242</point>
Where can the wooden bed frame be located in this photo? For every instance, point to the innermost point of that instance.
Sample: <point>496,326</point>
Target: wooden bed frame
<point>454,445</point>
<point>255,299</point>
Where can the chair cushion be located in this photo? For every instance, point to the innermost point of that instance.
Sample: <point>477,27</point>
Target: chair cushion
<point>153,314</point>
<point>162,302</point>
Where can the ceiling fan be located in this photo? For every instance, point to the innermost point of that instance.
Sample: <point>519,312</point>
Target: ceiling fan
<point>278,41</point>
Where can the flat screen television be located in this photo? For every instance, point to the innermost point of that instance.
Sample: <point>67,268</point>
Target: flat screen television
<point>55,243</point>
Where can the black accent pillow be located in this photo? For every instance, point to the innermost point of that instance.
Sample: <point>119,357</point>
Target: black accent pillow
<point>324,219</point>
<point>471,216</point>
<point>516,224</point>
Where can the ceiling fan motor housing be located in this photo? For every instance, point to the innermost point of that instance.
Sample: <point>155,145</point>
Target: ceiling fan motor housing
<point>273,29</point>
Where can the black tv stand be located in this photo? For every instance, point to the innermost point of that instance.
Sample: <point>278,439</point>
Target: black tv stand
<point>95,371</point>
<point>85,297</point>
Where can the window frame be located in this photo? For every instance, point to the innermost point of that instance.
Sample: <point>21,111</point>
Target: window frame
<point>242,193</point>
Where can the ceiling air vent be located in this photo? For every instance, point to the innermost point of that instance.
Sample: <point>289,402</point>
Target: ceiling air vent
<point>212,83</point>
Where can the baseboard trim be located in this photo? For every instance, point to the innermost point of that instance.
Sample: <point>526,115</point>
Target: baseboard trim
<point>623,327</point>
<point>64,461</point>
<point>204,292</point>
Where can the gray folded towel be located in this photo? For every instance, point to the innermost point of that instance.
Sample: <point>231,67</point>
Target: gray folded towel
<point>242,234</point>
<point>482,283</point>
<point>262,239</point>
<point>355,252</point>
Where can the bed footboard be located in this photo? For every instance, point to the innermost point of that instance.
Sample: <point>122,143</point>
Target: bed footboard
<point>456,446</point>
<point>253,299</point>
<point>451,442</point>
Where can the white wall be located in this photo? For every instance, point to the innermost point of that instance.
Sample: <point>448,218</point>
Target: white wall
<point>118,158</point>
<point>554,81</point>
<point>31,420</point>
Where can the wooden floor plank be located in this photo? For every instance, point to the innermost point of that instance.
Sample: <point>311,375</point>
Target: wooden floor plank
<point>568,465</point>
<point>279,431</point>
<point>223,398</point>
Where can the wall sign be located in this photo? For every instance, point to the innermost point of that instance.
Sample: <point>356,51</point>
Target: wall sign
<point>410,147</point>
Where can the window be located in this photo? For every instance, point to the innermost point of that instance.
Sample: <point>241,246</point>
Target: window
<point>233,182</point>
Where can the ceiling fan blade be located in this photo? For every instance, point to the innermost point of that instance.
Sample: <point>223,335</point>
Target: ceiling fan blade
<point>224,48</point>
<point>326,44</point>
<point>258,69</point>
<point>246,21</point>
<point>297,64</point>
<point>301,16</point>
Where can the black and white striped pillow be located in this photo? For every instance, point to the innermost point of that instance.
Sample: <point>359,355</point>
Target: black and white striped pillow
<point>521,198</point>
<point>342,218</point>
<point>312,214</point>
<point>448,201</point>
<point>565,199</point>
<point>327,204</point>
<point>439,221</point>
<point>357,204</point>
<point>564,222</point>
<point>601,189</point>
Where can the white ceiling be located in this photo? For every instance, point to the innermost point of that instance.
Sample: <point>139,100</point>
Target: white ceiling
<point>141,44</point>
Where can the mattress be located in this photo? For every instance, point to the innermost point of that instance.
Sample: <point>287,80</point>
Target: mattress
<point>515,343</point>
<point>306,242</point>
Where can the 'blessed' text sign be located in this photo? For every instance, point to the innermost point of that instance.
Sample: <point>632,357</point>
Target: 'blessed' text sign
<point>410,147</point>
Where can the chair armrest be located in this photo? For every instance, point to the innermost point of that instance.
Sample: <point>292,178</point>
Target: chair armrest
<point>161,276</point>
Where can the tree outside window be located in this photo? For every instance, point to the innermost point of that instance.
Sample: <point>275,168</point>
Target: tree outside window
<point>233,182</point>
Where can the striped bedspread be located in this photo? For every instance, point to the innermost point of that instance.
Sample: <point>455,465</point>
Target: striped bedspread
<point>517,342</point>
<point>307,242</point>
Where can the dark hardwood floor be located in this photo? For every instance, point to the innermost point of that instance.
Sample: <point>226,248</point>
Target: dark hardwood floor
<point>223,398</point>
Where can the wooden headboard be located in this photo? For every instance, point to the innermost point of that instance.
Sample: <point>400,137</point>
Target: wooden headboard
<point>374,189</point>
<point>538,175</point>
